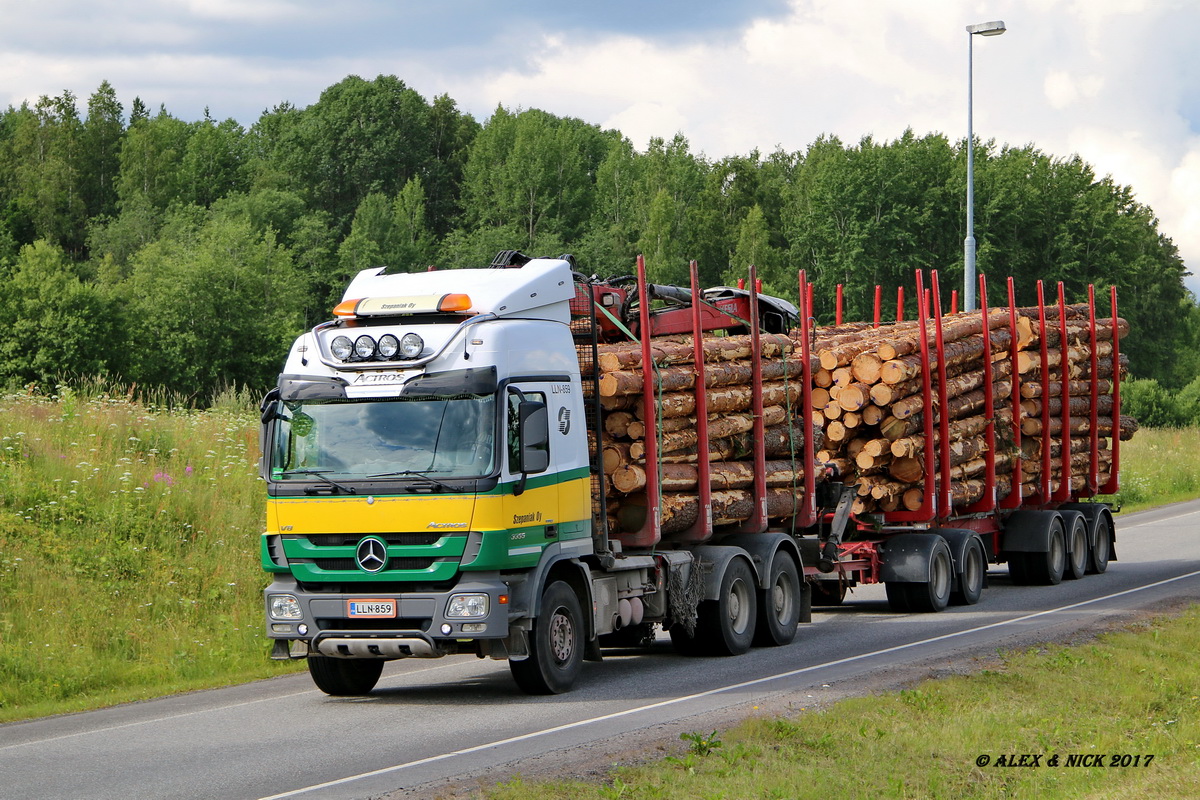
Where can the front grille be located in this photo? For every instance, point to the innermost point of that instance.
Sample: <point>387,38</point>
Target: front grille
<point>344,564</point>
<point>352,539</point>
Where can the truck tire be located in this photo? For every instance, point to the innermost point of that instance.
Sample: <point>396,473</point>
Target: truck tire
<point>1099,553</point>
<point>920,575</point>
<point>725,626</point>
<point>345,677</point>
<point>555,646</point>
<point>933,595</point>
<point>1046,569</point>
<point>779,603</point>
<point>1077,559</point>
<point>970,580</point>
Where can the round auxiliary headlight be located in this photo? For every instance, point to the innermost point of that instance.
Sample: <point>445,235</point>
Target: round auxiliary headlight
<point>342,348</point>
<point>364,347</point>
<point>411,345</point>
<point>388,345</point>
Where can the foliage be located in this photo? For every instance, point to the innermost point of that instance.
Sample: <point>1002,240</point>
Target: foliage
<point>128,548</point>
<point>373,173</point>
<point>1157,407</point>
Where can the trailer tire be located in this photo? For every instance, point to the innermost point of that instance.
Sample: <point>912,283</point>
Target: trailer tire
<point>555,646</point>
<point>1046,569</point>
<point>974,571</point>
<point>725,626</point>
<point>1098,554</point>
<point>1077,559</point>
<point>345,677</point>
<point>933,595</point>
<point>779,604</point>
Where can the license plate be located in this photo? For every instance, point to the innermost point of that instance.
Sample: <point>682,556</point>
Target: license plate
<point>370,608</point>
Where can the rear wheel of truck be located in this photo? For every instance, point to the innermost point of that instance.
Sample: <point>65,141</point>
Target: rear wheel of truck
<point>345,677</point>
<point>555,646</point>
<point>1077,559</point>
<point>779,604</point>
<point>726,625</point>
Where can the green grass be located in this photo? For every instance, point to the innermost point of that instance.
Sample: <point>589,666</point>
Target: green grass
<point>1159,466</point>
<point>129,569</point>
<point>128,550</point>
<point>1132,693</point>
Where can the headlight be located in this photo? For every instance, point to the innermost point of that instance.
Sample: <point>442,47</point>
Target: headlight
<point>467,606</point>
<point>411,346</point>
<point>284,606</point>
<point>388,346</point>
<point>364,347</point>
<point>342,348</point>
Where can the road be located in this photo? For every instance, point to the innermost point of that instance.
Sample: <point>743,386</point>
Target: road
<point>433,722</point>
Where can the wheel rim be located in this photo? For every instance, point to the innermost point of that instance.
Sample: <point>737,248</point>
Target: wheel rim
<point>1058,554</point>
<point>973,576</point>
<point>781,599</point>
<point>1079,549</point>
<point>562,637</point>
<point>739,605</point>
<point>941,576</point>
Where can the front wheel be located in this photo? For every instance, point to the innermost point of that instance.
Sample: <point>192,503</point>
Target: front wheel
<point>556,646</point>
<point>345,677</point>
<point>779,603</point>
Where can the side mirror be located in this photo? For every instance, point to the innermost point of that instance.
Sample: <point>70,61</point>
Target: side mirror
<point>534,437</point>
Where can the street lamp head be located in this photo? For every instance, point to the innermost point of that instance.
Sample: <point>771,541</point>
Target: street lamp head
<point>994,28</point>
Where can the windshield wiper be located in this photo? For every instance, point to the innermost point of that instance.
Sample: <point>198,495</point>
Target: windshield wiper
<point>416,474</point>
<point>320,473</point>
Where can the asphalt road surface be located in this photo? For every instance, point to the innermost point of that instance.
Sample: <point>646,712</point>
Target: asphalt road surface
<point>432,725</point>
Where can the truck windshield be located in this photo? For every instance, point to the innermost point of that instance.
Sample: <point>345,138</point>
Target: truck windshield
<point>431,437</point>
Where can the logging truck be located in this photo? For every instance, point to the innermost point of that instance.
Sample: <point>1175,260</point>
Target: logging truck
<point>524,464</point>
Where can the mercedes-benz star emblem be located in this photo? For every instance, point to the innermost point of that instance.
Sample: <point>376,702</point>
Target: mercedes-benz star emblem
<point>371,554</point>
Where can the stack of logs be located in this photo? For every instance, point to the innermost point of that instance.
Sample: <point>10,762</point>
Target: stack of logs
<point>870,390</point>
<point>866,417</point>
<point>728,392</point>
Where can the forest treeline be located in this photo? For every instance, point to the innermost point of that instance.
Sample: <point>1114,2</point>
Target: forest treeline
<point>186,255</point>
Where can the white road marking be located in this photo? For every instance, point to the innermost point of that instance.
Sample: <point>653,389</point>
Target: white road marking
<point>711,692</point>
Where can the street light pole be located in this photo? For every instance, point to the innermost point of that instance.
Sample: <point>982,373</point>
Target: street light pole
<point>983,29</point>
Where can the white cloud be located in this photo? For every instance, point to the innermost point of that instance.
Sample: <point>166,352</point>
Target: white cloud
<point>1111,80</point>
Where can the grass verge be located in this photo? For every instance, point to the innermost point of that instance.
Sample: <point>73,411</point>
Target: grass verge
<point>128,550</point>
<point>1114,718</point>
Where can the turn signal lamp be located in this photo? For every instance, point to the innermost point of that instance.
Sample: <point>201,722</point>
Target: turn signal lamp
<point>346,308</point>
<point>455,302</point>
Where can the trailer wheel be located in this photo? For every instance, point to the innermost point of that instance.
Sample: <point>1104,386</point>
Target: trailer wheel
<point>970,582</point>
<point>1046,569</point>
<point>725,626</point>
<point>1099,553</point>
<point>779,603</point>
<point>345,677</point>
<point>1077,559</point>
<point>556,646</point>
<point>933,595</point>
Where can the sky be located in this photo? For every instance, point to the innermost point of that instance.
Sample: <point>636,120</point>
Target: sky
<point>1116,82</point>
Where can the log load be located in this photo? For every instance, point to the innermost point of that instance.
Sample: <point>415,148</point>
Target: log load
<point>865,416</point>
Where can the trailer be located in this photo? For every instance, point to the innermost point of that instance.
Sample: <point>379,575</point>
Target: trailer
<point>443,475</point>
